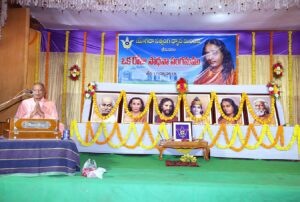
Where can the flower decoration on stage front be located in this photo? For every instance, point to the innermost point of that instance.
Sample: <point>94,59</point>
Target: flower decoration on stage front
<point>74,72</point>
<point>181,86</point>
<point>277,70</point>
<point>188,158</point>
<point>274,89</point>
<point>90,91</point>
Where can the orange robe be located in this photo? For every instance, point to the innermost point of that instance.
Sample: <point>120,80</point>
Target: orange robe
<point>265,118</point>
<point>214,77</point>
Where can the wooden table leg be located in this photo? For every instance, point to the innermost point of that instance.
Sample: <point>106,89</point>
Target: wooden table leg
<point>206,153</point>
<point>160,149</point>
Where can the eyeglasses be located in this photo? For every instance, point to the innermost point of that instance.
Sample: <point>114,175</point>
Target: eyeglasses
<point>106,105</point>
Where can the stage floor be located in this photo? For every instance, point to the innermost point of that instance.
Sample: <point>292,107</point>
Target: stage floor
<point>145,178</point>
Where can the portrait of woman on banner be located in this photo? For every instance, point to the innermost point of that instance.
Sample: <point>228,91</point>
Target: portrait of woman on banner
<point>218,67</point>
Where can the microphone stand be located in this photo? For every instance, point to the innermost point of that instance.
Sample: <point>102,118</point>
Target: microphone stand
<point>23,93</point>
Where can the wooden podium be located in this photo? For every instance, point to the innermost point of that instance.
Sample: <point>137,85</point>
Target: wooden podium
<point>32,129</point>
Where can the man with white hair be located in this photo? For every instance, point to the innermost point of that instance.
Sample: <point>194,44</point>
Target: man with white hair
<point>106,105</point>
<point>262,110</point>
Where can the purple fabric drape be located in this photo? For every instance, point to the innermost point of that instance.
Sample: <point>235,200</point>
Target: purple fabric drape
<point>76,40</point>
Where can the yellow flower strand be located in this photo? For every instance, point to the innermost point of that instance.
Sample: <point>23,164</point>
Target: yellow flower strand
<point>240,135</point>
<point>232,141</point>
<point>74,129</point>
<point>103,124</point>
<point>114,109</point>
<point>162,130</point>
<point>64,93</point>
<point>290,78</point>
<point>214,97</point>
<point>279,135</point>
<point>296,134</point>
<point>204,117</point>
<point>237,116</point>
<point>260,140</point>
<point>122,141</point>
<point>37,57</point>
<point>255,117</point>
<point>253,58</point>
<point>125,105</point>
<point>162,117</point>
<point>139,139</point>
<point>153,141</point>
<point>102,58</point>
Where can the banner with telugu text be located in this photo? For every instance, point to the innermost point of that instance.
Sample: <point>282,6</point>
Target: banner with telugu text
<point>161,58</point>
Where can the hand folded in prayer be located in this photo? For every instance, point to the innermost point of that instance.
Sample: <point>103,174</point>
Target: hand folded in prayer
<point>37,111</point>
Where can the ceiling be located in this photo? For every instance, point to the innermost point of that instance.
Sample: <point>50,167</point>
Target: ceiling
<point>95,20</point>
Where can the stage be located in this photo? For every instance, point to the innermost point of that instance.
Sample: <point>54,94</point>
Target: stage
<point>145,178</point>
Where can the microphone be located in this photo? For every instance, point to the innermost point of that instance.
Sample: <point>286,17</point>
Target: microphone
<point>28,91</point>
<point>19,95</point>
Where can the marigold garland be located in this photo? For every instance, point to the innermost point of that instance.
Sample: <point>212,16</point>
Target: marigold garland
<point>290,78</point>
<point>83,73</point>
<point>37,58</point>
<point>237,59</point>
<point>214,97</point>
<point>132,129</point>
<point>253,58</point>
<point>64,93</point>
<point>207,129</point>
<point>74,129</point>
<point>101,64</point>
<point>47,60</point>
<point>271,56</point>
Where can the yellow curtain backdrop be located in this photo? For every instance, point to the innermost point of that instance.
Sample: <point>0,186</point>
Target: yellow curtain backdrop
<point>74,90</point>
<point>262,78</point>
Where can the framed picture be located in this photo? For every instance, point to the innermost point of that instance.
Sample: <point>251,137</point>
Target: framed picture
<point>105,102</point>
<point>197,104</point>
<point>136,104</point>
<point>230,106</point>
<point>166,105</point>
<point>182,131</point>
<point>261,105</point>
